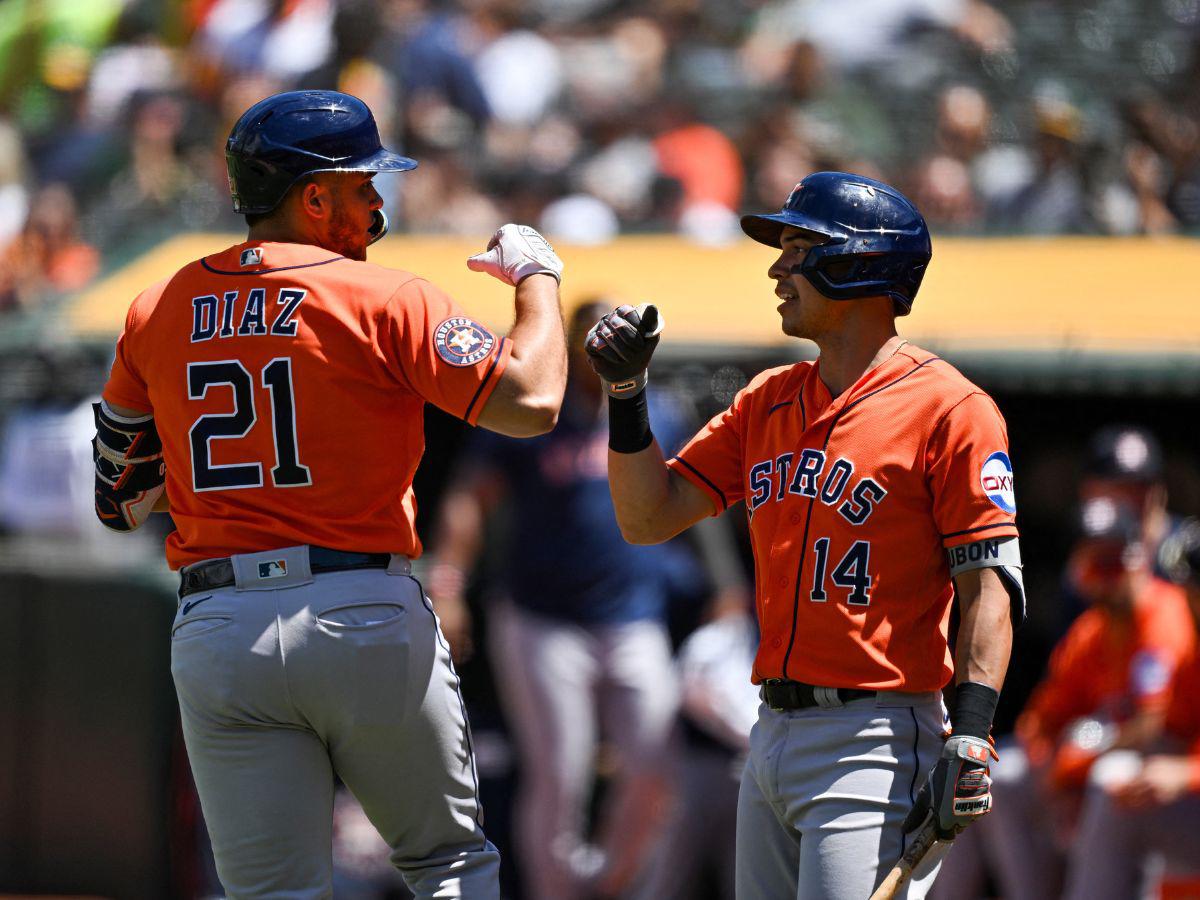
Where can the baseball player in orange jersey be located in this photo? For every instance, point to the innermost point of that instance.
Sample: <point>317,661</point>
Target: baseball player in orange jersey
<point>277,387</point>
<point>879,487</point>
<point>1142,806</point>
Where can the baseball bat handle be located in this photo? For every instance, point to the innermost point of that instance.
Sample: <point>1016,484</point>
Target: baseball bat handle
<point>894,883</point>
<point>922,843</point>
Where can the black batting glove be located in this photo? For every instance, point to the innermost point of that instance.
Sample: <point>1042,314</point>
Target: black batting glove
<point>620,345</point>
<point>958,790</point>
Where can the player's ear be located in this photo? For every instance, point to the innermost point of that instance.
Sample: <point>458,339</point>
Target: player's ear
<point>315,200</point>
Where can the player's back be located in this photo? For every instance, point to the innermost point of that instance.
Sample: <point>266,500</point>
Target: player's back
<point>287,384</point>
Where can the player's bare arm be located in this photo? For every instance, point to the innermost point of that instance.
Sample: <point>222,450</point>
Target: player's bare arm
<point>652,503</point>
<point>528,396</point>
<point>985,628</point>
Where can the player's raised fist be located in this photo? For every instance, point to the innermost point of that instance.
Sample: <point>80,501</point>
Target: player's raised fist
<point>620,345</point>
<point>515,252</point>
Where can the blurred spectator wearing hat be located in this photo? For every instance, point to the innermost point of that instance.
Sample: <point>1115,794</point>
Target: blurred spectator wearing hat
<point>1125,463</point>
<point>1136,806</point>
<point>1106,688</point>
<point>1054,201</point>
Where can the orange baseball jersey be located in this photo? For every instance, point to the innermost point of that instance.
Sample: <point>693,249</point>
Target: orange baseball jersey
<point>287,384</point>
<point>1105,669</point>
<point>1183,711</point>
<point>858,505</point>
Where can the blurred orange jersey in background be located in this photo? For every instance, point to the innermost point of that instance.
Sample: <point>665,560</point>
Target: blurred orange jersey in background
<point>1109,670</point>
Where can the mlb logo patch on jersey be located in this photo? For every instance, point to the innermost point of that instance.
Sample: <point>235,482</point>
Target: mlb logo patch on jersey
<point>275,568</point>
<point>252,256</point>
<point>996,478</point>
<point>463,342</point>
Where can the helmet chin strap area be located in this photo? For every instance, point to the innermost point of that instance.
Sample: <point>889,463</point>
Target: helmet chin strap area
<point>379,226</point>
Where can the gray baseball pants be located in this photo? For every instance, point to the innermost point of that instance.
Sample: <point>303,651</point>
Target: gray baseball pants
<point>824,794</point>
<point>1115,849</point>
<point>284,683</point>
<point>563,686</point>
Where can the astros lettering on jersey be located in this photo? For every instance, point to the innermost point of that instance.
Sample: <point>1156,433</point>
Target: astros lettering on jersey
<point>252,354</point>
<point>857,505</point>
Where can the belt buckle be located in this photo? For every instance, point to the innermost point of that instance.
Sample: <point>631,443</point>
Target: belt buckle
<point>771,682</point>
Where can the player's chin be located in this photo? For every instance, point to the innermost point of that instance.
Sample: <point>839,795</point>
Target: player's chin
<point>789,316</point>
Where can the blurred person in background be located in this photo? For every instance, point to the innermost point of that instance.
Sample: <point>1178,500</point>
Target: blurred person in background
<point>285,40</point>
<point>1125,462</point>
<point>952,178</point>
<point>1054,200</point>
<point>1139,806</point>
<point>577,636</point>
<point>157,191</point>
<point>48,255</point>
<point>14,194</point>
<point>706,164</point>
<point>1106,688</point>
<point>718,708</point>
<point>1168,150</point>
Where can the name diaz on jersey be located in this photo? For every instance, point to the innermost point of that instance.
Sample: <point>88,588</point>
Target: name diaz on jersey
<point>787,474</point>
<point>213,318</point>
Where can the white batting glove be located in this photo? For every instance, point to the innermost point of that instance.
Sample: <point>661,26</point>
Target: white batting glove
<point>515,252</point>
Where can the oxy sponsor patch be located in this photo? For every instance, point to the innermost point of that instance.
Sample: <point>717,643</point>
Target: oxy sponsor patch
<point>460,341</point>
<point>996,479</point>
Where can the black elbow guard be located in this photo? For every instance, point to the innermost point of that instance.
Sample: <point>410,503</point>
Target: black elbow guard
<point>130,472</point>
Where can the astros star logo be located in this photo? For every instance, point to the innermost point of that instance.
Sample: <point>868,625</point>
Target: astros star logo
<point>463,340</point>
<point>460,341</point>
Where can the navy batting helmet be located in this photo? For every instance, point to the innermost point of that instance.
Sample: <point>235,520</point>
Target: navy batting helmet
<point>875,241</point>
<point>281,139</point>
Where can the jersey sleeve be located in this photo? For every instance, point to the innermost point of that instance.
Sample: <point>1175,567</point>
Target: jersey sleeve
<point>712,459</point>
<point>1166,643</point>
<point>445,357</point>
<point>969,473</point>
<point>125,386</point>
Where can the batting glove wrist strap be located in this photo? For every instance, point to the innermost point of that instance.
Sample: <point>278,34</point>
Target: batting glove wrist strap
<point>974,709</point>
<point>629,423</point>
<point>958,790</point>
<point>629,388</point>
<point>514,253</point>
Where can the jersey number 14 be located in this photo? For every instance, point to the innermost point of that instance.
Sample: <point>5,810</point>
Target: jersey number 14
<point>277,378</point>
<point>852,572</point>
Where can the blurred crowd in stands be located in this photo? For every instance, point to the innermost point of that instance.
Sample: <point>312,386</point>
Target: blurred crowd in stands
<point>591,118</point>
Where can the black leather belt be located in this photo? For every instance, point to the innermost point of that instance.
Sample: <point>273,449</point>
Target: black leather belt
<point>783,695</point>
<point>218,573</point>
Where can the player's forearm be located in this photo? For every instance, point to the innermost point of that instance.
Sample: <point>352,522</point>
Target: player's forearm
<point>527,399</point>
<point>985,628</point>
<point>641,488</point>
<point>652,504</point>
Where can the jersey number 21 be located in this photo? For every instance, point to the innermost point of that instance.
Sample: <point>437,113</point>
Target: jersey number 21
<point>277,378</point>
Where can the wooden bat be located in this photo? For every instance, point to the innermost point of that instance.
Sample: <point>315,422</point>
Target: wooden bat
<point>923,841</point>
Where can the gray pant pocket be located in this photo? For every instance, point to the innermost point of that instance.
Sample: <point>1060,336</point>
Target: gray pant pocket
<point>362,614</point>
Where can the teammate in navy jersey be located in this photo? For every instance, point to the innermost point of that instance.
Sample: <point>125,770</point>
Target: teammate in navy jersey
<point>577,634</point>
